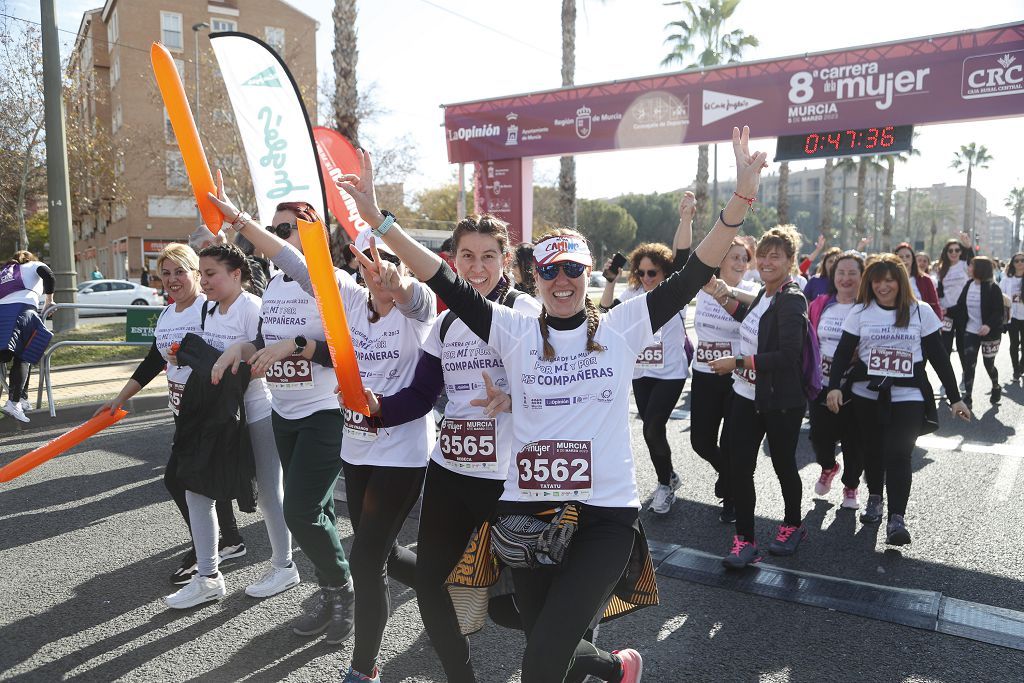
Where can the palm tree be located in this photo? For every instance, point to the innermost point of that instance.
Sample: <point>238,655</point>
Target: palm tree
<point>1015,203</point>
<point>701,32</point>
<point>969,157</point>
<point>567,170</point>
<point>890,163</point>
<point>828,191</point>
<point>845,165</point>
<point>346,55</point>
<point>782,203</point>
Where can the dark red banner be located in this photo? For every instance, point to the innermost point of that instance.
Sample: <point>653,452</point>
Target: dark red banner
<point>953,77</point>
<point>500,190</point>
<point>337,157</point>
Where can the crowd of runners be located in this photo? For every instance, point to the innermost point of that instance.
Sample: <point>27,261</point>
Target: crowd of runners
<point>530,504</point>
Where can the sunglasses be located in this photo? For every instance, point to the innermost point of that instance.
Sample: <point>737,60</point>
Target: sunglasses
<point>282,230</point>
<point>1018,260</point>
<point>647,273</point>
<point>571,269</point>
<point>952,251</point>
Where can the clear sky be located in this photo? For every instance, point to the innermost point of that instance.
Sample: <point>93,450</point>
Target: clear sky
<point>422,53</point>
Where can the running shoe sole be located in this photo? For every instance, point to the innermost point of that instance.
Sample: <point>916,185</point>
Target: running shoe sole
<point>314,632</point>
<point>898,537</point>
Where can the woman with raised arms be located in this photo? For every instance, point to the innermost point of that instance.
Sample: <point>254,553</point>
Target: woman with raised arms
<point>569,523</point>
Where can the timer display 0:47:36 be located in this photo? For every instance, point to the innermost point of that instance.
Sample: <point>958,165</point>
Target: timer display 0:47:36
<point>878,140</point>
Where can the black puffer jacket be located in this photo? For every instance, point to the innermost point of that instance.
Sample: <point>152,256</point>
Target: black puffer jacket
<point>211,441</point>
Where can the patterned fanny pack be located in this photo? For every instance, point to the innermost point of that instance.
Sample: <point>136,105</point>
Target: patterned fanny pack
<point>527,542</point>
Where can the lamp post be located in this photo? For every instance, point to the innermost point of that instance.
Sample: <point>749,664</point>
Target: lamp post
<point>196,28</point>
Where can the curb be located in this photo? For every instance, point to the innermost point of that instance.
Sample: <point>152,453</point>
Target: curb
<point>77,414</point>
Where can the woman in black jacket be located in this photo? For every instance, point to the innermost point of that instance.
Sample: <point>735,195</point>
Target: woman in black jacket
<point>769,398</point>
<point>979,312</point>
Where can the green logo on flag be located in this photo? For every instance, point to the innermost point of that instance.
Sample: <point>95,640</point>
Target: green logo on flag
<point>268,77</point>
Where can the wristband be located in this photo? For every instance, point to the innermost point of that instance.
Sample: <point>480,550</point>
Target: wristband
<point>382,229</point>
<point>749,200</point>
<point>239,221</point>
<point>721,217</point>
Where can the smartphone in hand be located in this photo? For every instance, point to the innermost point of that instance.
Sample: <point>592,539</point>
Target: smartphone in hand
<point>618,260</point>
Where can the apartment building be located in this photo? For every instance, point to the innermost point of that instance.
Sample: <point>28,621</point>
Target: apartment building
<point>121,233</point>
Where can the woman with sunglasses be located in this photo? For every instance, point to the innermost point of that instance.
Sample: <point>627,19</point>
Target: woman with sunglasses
<point>979,312</point>
<point>389,321</point>
<point>952,276</point>
<point>569,374</point>
<point>1011,286</point>
<point>661,368</point>
<point>827,314</point>
<point>769,399</point>
<point>290,352</point>
<point>178,266</point>
<point>920,283</point>
<point>888,336</point>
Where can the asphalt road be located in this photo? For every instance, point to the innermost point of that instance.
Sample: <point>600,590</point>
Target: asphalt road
<point>87,542</point>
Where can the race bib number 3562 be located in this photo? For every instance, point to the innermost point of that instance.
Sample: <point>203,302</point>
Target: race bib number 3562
<point>554,469</point>
<point>469,445</point>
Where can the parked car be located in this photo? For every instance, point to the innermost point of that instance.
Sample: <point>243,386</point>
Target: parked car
<point>116,293</point>
<point>597,280</point>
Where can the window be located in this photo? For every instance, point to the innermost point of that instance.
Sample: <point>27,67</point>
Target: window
<point>222,25</point>
<point>121,286</point>
<point>115,71</point>
<point>176,178</point>
<point>275,38</point>
<point>120,210</point>
<point>171,30</point>
<point>118,119</point>
<point>114,30</point>
<point>179,64</point>
<point>168,128</point>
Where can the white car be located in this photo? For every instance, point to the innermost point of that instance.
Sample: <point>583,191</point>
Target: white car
<point>116,293</point>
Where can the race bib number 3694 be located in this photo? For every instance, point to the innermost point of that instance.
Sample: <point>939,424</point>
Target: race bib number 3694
<point>469,445</point>
<point>708,351</point>
<point>555,469</point>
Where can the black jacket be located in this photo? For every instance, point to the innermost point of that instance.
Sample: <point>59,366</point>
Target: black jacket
<point>991,309</point>
<point>779,383</point>
<point>211,440</point>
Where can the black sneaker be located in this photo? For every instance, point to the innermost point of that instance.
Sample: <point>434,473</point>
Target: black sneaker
<point>787,539</point>
<point>872,511</point>
<point>227,550</point>
<point>317,618</point>
<point>728,513</point>
<point>743,554</point>
<point>896,531</point>
<point>997,393</point>
<point>183,574</point>
<point>342,622</point>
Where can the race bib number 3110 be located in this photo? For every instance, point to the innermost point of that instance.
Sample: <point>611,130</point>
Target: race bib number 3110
<point>555,469</point>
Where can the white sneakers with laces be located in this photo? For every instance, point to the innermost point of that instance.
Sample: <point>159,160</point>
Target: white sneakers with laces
<point>198,590</point>
<point>664,496</point>
<point>15,410</point>
<point>273,581</point>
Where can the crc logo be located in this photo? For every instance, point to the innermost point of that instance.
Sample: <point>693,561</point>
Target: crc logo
<point>993,75</point>
<point>583,122</point>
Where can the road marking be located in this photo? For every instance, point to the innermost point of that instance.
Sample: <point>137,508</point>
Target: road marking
<point>671,626</point>
<point>1012,454</point>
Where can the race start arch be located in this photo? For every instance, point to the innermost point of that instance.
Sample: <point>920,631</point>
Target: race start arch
<point>968,75</point>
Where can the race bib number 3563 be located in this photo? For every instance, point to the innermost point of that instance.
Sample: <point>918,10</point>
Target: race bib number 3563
<point>469,445</point>
<point>553,469</point>
<point>294,372</point>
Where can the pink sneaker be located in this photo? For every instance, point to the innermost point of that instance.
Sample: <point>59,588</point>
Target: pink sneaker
<point>850,501</point>
<point>632,665</point>
<point>824,483</point>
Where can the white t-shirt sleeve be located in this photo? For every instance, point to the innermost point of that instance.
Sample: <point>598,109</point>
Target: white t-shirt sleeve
<point>631,320</point>
<point>852,322</point>
<point>433,344</point>
<point>508,329</point>
<point>631,293</point>
<point>930,322</point>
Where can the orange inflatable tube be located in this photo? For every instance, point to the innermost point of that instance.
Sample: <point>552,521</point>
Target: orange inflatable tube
<point>173,94</point>
<point>332,312</point>
<point>62,443</point>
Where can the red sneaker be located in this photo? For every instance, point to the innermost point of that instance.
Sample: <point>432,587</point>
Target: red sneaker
<point>632,665</point>
<point>824,483</point>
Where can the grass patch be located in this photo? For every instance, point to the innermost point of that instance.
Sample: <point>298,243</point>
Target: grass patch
<point>79,355</point>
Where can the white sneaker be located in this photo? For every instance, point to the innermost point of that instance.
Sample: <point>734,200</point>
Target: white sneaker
<point>850,501</point>
<point>664,496</point>
<point>274,581</point>
<point>14,410</point>
<point>674,482</point>
<point>26,405</point>
<point>197,591</point>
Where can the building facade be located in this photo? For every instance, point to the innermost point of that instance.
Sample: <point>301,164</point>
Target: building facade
<point>936,214</point>
<point>121,233</point>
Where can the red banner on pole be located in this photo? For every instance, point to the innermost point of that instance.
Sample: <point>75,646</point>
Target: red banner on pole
<point>504,188</point>
<point>961,76</point>
<point>338,157</point>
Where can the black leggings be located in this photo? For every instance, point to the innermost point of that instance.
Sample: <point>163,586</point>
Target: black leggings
<point>829,429</point>
<point>17,379</point>
<point>558,604</point>
<point>750,427</point>
<point>655,400</point>
<point>453,506</point>
<point>948,338</point>
<point>226,521</point>
<point>888,448</point>
<point>972,345</point>
<point>710,406</point>
<point>1016,332</point>
<point>379,500</point>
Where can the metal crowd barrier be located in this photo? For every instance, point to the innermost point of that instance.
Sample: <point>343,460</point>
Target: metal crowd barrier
<point>44,363</point>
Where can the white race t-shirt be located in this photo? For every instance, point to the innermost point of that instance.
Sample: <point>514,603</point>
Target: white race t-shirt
<point>664,357</point>
<point>471,443</point>
<point>33,291</point>
<point>887,349</point>
<point>953,284</point>
<point>718,333</point>
<point>240,323</point>
<point>571,414</point>
<point>298,387</point>
<point>973,308</point>
<point>830,329</point>
<point>1011,288</point>
<point>171,328</point>
<point>743,380</point>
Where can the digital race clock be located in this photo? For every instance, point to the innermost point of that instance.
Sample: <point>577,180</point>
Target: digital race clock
<point>842,143</point>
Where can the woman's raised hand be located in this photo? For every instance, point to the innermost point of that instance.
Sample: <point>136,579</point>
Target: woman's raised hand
<point>382,273</point>
<point>360,188</point>
<point>748,165</point>
<point>221,201</point>
<point>687,206</point>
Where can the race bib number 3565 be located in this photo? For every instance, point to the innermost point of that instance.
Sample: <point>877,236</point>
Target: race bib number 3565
<point>553,469</point>
<point>469,445</point>
<point>653,357</point>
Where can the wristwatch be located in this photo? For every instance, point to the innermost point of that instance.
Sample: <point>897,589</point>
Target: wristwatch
<point>739,362</point>
<point>389,219</point>
<point>300,345</point>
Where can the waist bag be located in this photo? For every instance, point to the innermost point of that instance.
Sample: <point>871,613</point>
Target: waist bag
<point>527,542</point>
